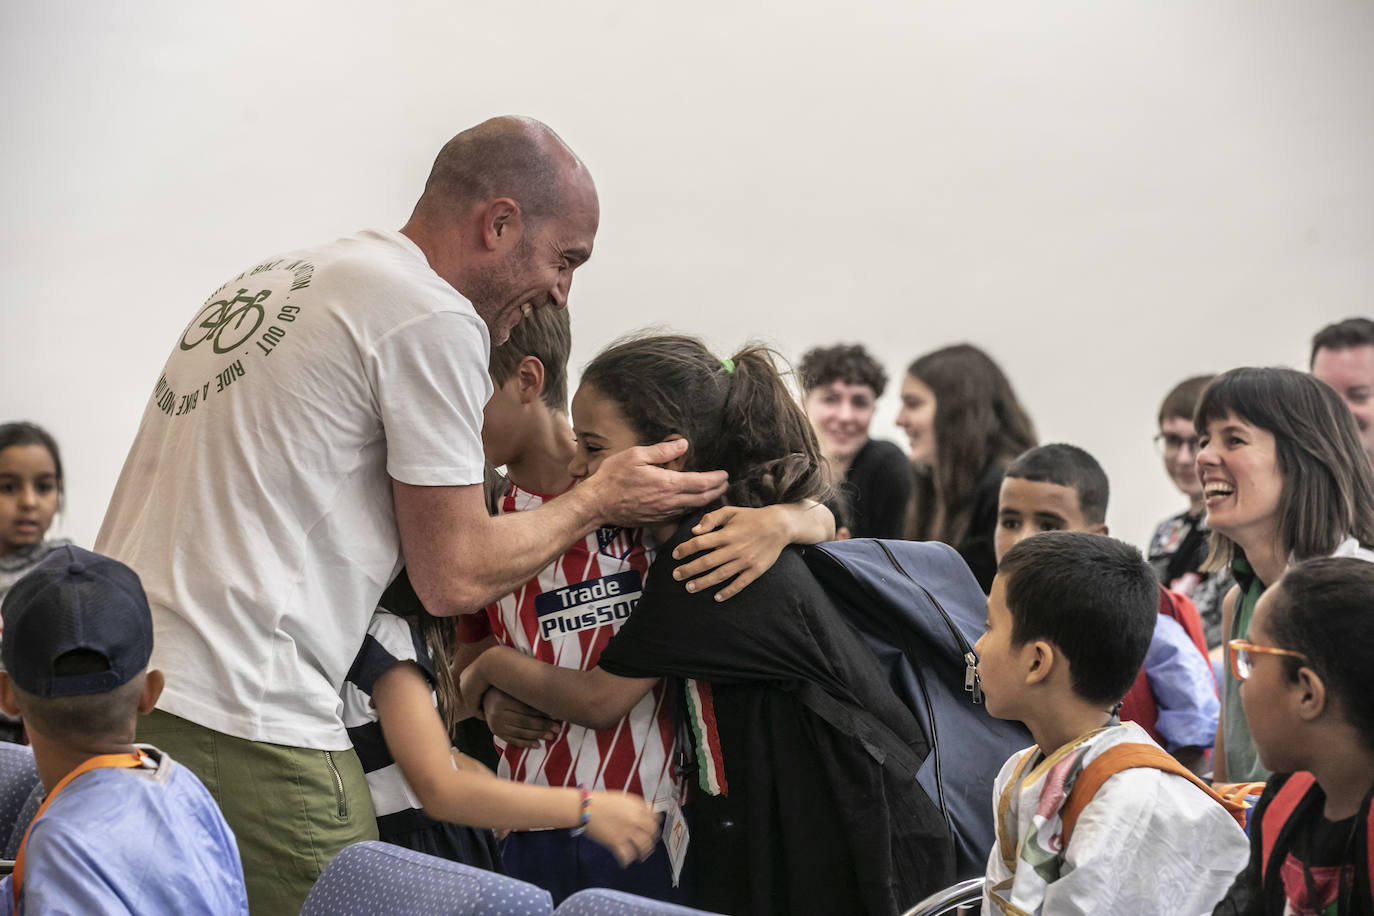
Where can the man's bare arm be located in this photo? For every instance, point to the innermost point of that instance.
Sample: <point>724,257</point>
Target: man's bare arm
<point>460,559</point>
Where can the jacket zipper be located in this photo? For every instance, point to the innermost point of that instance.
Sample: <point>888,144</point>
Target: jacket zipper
<point>338,783</point>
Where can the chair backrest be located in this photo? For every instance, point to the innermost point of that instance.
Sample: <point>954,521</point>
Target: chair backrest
<point>18,776</point>
<point>23,819</point>
<point>379,879</point>
<point>950,899</point>
<point>600,901</point>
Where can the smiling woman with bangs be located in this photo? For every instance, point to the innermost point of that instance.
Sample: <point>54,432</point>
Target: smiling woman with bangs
<point>1284,479</point>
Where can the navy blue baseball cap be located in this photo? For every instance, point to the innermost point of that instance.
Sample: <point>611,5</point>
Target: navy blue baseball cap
<point>75,599</point>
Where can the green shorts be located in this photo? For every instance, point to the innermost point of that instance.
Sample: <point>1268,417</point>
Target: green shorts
<point>291,809</point>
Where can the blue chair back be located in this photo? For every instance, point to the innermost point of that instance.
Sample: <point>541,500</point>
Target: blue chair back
<point>22,821</point>
<point>18,776</point>
<point>599,901</point>
<point>379,879</point>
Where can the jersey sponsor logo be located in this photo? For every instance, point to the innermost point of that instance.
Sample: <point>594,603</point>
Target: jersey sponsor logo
<point>584,605</point>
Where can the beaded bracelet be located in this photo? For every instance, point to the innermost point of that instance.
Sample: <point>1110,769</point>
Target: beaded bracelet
<point>586,816</point>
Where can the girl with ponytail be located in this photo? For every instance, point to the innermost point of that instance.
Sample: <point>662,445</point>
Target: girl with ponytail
<point>804,795</point>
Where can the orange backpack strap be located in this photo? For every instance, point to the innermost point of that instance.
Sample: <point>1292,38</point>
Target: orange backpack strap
<point>1131,756</point>
<point>1238,791</point>
<point>1278,812</point>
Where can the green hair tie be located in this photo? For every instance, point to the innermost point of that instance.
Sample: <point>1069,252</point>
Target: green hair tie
<point>729,365</point>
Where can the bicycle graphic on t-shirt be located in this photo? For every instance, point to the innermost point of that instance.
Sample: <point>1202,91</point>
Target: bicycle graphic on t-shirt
<point>226,323</point>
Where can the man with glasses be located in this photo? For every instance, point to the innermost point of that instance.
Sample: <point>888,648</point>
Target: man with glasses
<point>1179,546</point>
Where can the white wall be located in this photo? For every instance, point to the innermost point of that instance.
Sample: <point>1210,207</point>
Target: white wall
<point>1106,195</point>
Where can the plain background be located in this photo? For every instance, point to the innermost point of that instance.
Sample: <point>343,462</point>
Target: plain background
<point>1108,196</point>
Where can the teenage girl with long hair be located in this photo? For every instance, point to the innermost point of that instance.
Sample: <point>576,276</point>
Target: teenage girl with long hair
<point>965,425</point>
<point>805,759</point>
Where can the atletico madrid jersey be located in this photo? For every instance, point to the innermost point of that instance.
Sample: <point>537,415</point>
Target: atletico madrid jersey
<point>564,616</point>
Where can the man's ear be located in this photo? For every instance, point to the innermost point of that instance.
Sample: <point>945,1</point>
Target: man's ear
<point>530,372</point>
<point>7,700</point>
<point>1099,528</point>
<point>1040,662</point>
<point>501,224</point>
<point>1311,694</point>
<point>680,461</point>
<point>153,683</point>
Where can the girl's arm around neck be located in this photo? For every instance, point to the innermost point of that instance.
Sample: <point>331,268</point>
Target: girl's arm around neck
<point>743,544</point>
<point>595,698</point>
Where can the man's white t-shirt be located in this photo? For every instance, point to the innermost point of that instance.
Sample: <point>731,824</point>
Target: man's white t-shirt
<point>255,503</point>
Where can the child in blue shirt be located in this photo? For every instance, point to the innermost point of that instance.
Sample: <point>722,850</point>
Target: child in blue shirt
<point>124,828</point>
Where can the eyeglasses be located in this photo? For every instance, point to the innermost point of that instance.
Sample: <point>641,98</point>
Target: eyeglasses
<point>1242,664</point>
<point>1172,444</point>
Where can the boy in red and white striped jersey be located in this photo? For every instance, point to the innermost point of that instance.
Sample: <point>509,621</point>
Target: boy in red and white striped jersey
<point>567,613</point>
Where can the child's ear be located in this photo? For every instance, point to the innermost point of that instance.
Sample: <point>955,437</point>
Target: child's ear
<point>153,683</point>
<point>1041,659</point>
<point>530,372</point>
<point>680,461</point>
<point>7,701</point>
<point>1311,694</point>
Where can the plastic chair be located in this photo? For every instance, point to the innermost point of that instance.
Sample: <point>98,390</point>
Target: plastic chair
<point>600,901</point>
<point>18,776</point>
<point>379,879</point>
<point>950,899</point>
<point>23,819</point>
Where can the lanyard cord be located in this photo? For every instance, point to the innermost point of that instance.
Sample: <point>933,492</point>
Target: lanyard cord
<point>102,761</point>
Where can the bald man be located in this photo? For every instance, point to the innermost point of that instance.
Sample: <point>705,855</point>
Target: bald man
<point>1343,357</point>
<point>319,418</point>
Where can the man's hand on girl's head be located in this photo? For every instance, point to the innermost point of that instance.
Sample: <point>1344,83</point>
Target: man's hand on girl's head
<point>634,488</point>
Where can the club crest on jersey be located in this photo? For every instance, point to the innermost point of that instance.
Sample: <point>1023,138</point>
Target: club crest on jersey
<point>612,541</point>
<point>587,605</point>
